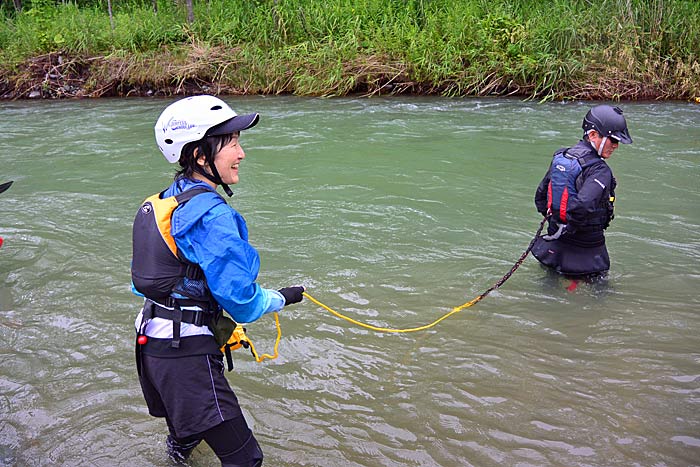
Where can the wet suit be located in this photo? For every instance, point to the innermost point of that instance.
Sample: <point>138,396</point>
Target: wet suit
<point>579,250</point>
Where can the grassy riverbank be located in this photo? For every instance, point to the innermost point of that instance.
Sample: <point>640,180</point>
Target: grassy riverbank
<point>620,49</point>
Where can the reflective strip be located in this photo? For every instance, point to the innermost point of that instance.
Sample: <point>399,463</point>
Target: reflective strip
<point>213,389</point>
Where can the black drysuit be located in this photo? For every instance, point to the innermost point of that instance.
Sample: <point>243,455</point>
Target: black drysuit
<point>580,250</point>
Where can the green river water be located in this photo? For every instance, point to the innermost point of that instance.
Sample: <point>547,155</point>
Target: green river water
<point>392,211</point>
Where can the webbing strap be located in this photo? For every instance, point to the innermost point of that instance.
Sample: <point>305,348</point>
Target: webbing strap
<point>229,357</point>
<point>177,320</point>
<point>191,193</point>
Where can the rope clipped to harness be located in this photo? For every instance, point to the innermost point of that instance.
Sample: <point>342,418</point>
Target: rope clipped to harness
<point>239,339</point>
<point>454,310</point>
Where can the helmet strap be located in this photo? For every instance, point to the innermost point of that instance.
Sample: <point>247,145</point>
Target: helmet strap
<point>217,179</point>
<point>600,147</point>
<point>214,176</point>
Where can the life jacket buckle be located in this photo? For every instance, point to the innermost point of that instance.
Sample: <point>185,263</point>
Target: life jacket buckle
<point>560,230</point>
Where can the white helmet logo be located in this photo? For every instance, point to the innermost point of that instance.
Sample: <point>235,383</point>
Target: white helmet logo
<point>180,125</point>
<point>560,168</point>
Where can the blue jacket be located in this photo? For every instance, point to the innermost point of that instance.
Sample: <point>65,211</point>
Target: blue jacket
<point>210,233</point>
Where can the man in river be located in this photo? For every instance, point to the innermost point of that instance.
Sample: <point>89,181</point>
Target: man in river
<point>577,195</point>
<point>192,260</point>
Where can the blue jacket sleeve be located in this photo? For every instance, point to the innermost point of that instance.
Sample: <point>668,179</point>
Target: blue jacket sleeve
<point>218,242</point>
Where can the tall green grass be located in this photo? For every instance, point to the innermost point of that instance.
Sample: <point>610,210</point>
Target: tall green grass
<point>536,48</point>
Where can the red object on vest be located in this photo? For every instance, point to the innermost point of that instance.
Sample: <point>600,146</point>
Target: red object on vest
<point>142,340</point>
<point>562,205</point>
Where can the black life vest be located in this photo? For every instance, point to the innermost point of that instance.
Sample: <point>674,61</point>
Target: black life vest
<point>157,270</point>
<point>565,180</point>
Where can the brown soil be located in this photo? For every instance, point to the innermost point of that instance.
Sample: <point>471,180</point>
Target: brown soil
<point>57,75</point>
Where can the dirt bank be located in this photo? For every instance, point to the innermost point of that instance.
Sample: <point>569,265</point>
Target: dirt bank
<point>59,75</point>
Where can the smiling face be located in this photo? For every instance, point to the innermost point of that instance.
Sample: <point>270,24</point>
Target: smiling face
<point>227,161</point>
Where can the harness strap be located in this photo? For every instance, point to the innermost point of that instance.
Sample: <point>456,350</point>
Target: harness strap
<point>196,317</point>
<point>187,195</point>
<point>146,315</point>
<point>176,316</point>
<point>153,309</point>
<point>229,357</point>
<point>171,302</point>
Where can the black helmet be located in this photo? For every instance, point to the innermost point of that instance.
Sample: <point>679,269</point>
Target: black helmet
<point>607,121</point>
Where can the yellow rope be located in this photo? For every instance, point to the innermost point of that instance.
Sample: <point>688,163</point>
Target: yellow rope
<point>451,312</point>
<point>260,358</point>
<point>381,329</point>
<point>454,310</point>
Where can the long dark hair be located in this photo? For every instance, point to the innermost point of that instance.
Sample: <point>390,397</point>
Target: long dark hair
<point>208,147</point>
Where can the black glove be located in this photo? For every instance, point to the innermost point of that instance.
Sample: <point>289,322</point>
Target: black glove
<point>292,294</point>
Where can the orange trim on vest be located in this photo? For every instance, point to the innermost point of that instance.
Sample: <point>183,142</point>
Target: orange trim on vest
<point>163,211</point>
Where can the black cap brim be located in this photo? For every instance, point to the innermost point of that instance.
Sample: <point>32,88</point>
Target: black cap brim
<point>237,123</point>
<point>622,136</point>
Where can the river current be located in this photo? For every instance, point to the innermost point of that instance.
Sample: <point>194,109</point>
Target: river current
<point>392,211</point>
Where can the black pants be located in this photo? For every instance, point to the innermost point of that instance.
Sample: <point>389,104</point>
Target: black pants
<point>198,404</point>
<point>232,442</point>
<point>576,255</point>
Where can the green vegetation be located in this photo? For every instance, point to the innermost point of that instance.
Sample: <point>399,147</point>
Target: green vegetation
<point>544,49</point>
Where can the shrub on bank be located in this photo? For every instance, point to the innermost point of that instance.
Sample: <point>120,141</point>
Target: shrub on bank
<point>538,48</point>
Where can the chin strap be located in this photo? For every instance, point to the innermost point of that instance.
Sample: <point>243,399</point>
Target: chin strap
<point>214,177</point>
<point>600,147</point>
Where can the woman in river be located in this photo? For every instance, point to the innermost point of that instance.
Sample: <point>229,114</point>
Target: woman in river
<point>191,260</point>
<point>577,195</point>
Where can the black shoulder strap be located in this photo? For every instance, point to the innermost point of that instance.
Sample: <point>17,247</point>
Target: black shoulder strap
<point>585,158</point>
<point>187,195</point>
<point>589,159</point>
<point>560,151</point>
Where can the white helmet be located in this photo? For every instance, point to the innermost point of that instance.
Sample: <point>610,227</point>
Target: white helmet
<point>193,118</point>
